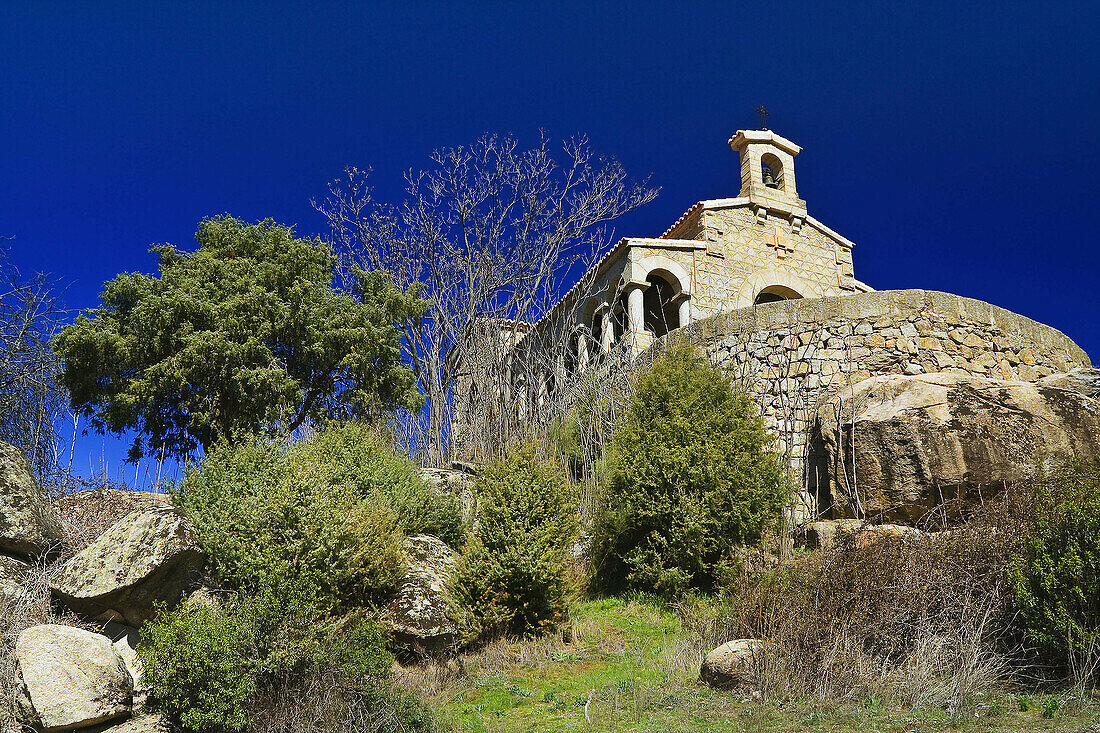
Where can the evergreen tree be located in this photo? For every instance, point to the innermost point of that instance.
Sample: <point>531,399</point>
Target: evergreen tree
<point>690,478</point>
<point>246,335</point>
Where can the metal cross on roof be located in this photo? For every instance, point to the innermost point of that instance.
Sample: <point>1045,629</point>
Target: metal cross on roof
<point>763,112</point>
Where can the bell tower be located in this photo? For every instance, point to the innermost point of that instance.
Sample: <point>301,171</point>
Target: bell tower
<point>767,175</point>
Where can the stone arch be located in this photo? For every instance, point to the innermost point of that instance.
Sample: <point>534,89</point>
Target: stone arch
<point>669,285</point>
<point>771,171</point>
<point>666,267</point>
<point>773,293</point>
<point>774,280</point>
<point>661,312</point>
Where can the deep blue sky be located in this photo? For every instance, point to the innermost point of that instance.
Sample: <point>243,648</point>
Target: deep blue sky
<point>955,143</point>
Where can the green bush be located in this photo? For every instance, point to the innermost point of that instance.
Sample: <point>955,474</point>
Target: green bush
<point>331,511</point>
<point>1056,575</point>
<point>264,513</point>
<point>513,578</point>
<point>689,479</point>
<point>205,665</point>
<point>358,455</point>
<point>200,667</point>
<point>308,535</point>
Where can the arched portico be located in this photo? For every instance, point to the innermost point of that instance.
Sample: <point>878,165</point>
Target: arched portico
<point>658,298</point>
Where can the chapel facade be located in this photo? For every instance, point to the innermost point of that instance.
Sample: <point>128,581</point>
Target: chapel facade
<point>722,254</point>
<point>775,302</point>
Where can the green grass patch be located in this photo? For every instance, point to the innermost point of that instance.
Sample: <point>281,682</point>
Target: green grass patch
<point>632,662</point>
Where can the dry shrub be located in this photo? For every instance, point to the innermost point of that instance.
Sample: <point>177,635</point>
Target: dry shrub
<point>88,513</point>
<point>32,606</point>
<point>331,703</point>
<point>922,621</point>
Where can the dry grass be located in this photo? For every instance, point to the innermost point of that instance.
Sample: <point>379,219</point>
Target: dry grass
<point>87,514</point>
<point>916,622</point>
<point>32,606</point>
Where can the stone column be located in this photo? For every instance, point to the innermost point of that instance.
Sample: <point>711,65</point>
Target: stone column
<point>635,317</point>
<point>607,329</point>
<point>508,381</point>
<point>544,390</point>
<point>582,349</point>
<point>685,310</point>
<point>635,310</point>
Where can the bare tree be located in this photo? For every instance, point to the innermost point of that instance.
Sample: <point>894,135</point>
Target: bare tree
<point>488,235</point>
<point>31,402</point>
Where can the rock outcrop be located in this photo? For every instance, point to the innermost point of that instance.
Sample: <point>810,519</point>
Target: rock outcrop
<point>735,665</point>
<point>69,678</point>
<point>416,617</point>
<point>457,482</point>
<point>894,447</point>
<point>146,558</point>
<point>828,533</point>
<point>1082,380</point>
<point>13,573</point>
<point>28,525</point>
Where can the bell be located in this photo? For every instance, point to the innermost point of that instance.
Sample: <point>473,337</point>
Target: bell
<point>769,179</point>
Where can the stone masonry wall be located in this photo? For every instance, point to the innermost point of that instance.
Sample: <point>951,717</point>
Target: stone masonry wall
<point>795,354</point>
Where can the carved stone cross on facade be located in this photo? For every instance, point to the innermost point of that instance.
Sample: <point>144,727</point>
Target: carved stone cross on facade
<point>779,240</point>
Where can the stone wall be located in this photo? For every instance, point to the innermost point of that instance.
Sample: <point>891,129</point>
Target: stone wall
<point>794,354</point>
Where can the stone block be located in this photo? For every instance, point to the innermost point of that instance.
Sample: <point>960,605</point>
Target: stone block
<point>927,343</point>
<point>874,341</point>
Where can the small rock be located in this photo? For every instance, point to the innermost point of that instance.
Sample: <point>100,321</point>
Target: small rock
<point>735,665</point>
<point>826,534</point>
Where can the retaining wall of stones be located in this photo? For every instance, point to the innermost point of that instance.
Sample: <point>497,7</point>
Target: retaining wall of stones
<point>794,354</point>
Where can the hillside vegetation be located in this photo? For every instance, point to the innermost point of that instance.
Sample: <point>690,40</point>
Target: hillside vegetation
<point>646,573</point>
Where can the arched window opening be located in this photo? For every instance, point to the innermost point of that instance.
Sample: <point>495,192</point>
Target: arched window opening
<point>595,346</point>
<point>771,169</point>
<point>571,360</point>
<point>661,313</point>
<point>618,319</point>
<point>772,293</point>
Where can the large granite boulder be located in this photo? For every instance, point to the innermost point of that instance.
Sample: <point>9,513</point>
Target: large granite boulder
<point>69,678</point>
<point>416,616</point>
<point>735,665</point>
<point>148,723</point>
<point>146,558</point>
<point>13,575</point>
<point>28,525</point>
<point>1083,380</point>
<point>895,447</point>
